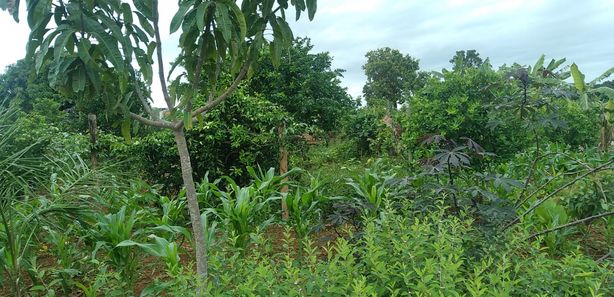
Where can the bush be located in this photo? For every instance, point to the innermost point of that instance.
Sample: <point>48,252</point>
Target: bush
<point>580,127</point>
<point>400,256</point>
<point>362,128</point>
<point>241,132</point>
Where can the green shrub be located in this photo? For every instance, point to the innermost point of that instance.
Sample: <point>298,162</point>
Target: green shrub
<point>238,134</point>
<point>362,128</point>
<point>404,256</point>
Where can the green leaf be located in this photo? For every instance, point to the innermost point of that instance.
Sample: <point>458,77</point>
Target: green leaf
<point>538,65</point>
<point>140,34</point>
<point>578,77</point>
<point>220,43</point>
<point>201,14</point>
<point>275,49</point>
<point>554,64</point>
<point>127,13</point>
<point>224,24</point>
<point>277,34</point>
<point>178,17</point>
<point>125,130</point>
<point>13,9</point>
<point>150,50</point>
<point>61,43</point>
<point>111,25</point>
<point>187,120</point>
<point>84,48</point>
<point>41,56</point>
<point>299,6</point>
<point>145,64</point>
<point>145,24</point>
<point>285,31</point>
<point>110,49</point>
<point>94,78</point>
<point>78,80</point>
<point>312,6</point>
<point>584,99</point>
<point>127,242</point>
<point>239,18</point>
<point>145,7</point>
<point>602,76</point>
<point>37,11</point>
<point>201,121</point>
<point>608,92</point>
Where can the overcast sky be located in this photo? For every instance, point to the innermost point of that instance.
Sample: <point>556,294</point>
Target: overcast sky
<point>507,31</point>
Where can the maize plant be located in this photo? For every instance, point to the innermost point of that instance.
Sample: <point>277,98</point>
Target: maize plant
<point>240,210</point>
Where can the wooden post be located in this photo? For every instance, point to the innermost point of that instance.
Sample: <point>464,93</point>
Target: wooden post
<point>283,168</point>
<point>93,127</point>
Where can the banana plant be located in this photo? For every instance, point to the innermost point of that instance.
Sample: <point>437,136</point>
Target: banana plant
<point>606,133</point>
<point>589,93</point>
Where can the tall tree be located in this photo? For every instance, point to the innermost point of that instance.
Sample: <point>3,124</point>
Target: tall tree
<point>97,45</point>
<point>18,83</point>
<point>304,84</point>
<point>391,77</point>
<point>466,59</point>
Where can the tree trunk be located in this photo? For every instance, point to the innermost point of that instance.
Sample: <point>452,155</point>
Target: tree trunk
<point>93,127</point>
<point>190,193</point>
<point>283,168</point>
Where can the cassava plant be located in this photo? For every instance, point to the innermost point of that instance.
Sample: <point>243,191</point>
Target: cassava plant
<point>109,47</point>
<point>450,158</point>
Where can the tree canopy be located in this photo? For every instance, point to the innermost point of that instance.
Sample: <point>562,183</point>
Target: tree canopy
<point>304,84</point>
<point>391,77</point>
<point>466,59</point>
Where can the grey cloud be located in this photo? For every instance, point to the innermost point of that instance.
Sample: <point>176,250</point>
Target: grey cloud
<point>506,31</point>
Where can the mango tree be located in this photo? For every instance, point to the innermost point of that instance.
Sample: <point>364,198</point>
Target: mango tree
<point>109,46</point>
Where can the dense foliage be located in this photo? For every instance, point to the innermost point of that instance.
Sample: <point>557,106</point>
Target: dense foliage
<point>240,133</point>
<point>479,181</point>
<point>391,77</point>
<point>304,85</point>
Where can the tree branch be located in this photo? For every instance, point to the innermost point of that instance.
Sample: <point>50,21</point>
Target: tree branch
<point>213,103</point>
<point>167,98</point>
<point>538,203</point>
<point>530,175</point>
<point>154,123</point>
<point>604,257</point>
<point>144,101</point>
<point>571,224</point>
<point>536,191</point>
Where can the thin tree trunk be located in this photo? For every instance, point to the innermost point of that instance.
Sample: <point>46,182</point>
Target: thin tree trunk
<point>456,209</point>
<point>283,168</point>
<point>190,190</point>
<point>93,127</point>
